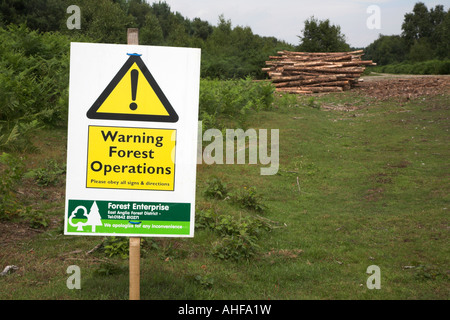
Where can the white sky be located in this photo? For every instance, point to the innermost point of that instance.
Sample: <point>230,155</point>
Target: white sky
<point>284,19</point>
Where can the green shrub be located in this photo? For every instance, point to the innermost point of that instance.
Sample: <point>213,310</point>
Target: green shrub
<point>248,198</point>
<point>116,246</point>
<point>12,170</point>
<point>216,189</point>
<point>49,175</point>
<point>222,102</point>
<point>204,281</point>
<point>34,82</point>
<point>11,173</point>
<point>235,247</point>
<point>238,236</point>
<point>110,269</point>
<point>15,135</point>
<point>36,218</point>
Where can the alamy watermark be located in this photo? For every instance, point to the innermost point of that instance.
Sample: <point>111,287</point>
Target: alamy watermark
<point>73,281</point>
<point>74,21</point>
<point>374,20</point>
<point>239,144</point>
<point>374,281</point>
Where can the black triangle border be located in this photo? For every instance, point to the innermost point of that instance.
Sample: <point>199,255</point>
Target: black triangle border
<point>93,114</point>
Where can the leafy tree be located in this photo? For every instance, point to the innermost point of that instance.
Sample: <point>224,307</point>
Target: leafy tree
<point>178,36</point>
<point>162,11</point>
<point>417,24</point>
<point>425,36</point>
<point>236,52</point>
<point>139,9</point>
<point>201,29</point>
<point>228,52</point>
<point>322,36</point>
<point>151,32</point>
<point>42,15</point>
<point>426,32</point>
<point>443,34</point>
<point>104,21</point>
<point>386,50</point>
<point>420,50</point>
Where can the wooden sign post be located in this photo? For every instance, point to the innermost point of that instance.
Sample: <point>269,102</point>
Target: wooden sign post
<point>135,268</point>
<point>132,143</point>
<point>135,242</point>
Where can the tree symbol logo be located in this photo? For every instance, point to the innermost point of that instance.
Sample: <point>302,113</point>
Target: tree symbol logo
<point>93,218</point>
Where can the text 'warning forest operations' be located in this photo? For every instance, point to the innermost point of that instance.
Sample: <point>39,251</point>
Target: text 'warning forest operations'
<point>131,158</point>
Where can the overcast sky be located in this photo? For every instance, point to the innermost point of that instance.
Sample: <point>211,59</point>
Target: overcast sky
<point>284,19</point>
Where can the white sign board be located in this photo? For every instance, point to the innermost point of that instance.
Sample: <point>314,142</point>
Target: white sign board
<point>132,140</point>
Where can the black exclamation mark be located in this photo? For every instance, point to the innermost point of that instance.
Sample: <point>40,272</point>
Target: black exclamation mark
<point>134,83</point>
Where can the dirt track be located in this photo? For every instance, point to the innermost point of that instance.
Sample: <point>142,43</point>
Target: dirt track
<point>403,87</point>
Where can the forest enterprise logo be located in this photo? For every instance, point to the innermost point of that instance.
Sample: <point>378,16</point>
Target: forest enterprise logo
<point>84,219</point>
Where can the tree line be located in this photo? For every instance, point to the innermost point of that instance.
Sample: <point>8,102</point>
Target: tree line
<point>227,51</point>
<point>425,36</point>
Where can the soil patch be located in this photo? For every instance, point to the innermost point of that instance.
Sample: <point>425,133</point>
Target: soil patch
<point>403,87</point>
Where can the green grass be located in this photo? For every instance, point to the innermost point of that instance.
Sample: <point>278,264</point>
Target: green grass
<point>373,191</point>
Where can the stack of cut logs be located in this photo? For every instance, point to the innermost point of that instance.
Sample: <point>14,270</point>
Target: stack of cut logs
<point>304,72</point>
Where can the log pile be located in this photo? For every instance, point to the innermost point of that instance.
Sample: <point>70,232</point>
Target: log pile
<point>304,72</point>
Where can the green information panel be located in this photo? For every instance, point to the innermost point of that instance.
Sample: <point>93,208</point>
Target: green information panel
<point>93,217</point>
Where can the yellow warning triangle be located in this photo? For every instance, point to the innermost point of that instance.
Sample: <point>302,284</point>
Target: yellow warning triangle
<point>134,95</point>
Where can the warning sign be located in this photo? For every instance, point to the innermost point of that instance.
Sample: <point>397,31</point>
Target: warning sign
<point>132,140</point>
<point>131,158</point>
<point>133,94</point>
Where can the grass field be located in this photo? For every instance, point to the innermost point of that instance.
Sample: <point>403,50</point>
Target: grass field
<point>362,181</point>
